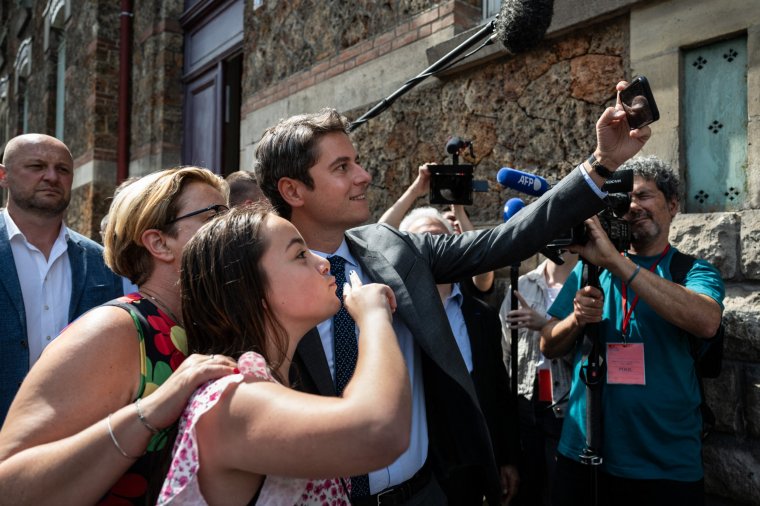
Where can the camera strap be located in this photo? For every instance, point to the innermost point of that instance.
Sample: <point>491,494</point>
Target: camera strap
<point>628,313</point>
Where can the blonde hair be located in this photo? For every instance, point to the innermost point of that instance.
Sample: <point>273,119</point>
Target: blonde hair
<point>150,202</point>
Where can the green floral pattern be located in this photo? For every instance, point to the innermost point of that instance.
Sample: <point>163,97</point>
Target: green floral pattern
<point>163,347</point>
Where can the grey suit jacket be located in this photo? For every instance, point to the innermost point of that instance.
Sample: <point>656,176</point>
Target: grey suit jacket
<point>92,283</point>
<point>412,265</point>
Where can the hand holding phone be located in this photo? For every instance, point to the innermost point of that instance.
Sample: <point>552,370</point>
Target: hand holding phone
<point>638,103</point>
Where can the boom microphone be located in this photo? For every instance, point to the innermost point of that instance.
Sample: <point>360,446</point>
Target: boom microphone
<point>523,182</point>
<point>521,24</point>
<point>512,207</point>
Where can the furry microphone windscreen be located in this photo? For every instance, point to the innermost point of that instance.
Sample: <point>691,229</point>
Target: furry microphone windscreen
<point>521,24</point>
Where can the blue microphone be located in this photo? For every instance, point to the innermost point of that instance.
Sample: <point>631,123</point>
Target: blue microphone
<point>512,207</point>
<point>523,182</point>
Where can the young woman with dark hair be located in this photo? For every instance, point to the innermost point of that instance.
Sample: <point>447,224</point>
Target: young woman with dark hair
<point>251,289</point>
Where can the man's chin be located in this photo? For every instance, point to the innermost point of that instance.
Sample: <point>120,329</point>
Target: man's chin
<point>49,208</point>
<point>359,217</point>
<point>642,238</point>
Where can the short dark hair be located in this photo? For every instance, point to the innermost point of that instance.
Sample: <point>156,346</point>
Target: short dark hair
<point>654,169</point>
<point>243,186</point>
<point>289,149</point>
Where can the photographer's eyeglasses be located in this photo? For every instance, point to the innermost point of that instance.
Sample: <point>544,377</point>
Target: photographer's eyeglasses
<point>216,208</point>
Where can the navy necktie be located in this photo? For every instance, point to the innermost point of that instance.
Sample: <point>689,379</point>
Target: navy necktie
<point>346,352</point>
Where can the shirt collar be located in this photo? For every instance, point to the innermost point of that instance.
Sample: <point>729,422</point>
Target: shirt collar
<point>10,225</point>
<point>342,251</point>
<point>456,295</point>
<point>14,231</point>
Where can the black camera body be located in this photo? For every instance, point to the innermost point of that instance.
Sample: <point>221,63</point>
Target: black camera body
<point>618,230</point>
<point>454,184</point>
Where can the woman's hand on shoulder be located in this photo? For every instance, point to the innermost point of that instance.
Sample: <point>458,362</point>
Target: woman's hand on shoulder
<point>362,300</point>
<point>164,406</point>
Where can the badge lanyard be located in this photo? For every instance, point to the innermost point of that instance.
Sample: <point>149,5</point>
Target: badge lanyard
<point>629,313</point>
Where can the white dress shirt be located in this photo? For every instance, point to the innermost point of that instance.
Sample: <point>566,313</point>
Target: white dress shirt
<point>414,457</point>
<point>45,286</point>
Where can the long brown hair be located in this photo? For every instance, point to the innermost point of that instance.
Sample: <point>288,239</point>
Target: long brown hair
<point>224,286</point>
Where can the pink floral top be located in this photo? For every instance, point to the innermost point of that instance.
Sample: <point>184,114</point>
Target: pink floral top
<point>181,484</point>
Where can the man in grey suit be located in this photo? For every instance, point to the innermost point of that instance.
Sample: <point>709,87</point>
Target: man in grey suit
<point>49,274</point>
<point>308,169</point>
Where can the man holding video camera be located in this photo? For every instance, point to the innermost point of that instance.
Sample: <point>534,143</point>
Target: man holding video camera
<point>308,168</point>
<point>650,404</point>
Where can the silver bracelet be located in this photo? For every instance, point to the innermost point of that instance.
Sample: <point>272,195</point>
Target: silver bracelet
<point>145,422</point>
<point>116,443</point>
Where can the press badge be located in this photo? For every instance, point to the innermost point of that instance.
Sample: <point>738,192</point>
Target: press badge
<point>625,364</point>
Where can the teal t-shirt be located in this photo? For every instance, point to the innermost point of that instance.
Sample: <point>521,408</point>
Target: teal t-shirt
<point>649,431</point>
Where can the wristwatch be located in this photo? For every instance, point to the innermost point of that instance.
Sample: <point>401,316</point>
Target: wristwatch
<point>598,167</point>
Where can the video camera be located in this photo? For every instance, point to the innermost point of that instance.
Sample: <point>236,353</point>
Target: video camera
<point>618,201</point>
<point>454,184</point>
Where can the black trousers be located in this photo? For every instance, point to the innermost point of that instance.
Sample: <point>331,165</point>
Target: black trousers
<point>540,431</point>
<point>573,486</point>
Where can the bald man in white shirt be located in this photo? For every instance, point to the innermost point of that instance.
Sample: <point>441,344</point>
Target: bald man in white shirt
<point>50,274</point>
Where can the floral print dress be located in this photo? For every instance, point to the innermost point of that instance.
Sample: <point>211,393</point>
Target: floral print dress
<point>181,485</point>
<point>163,347</point>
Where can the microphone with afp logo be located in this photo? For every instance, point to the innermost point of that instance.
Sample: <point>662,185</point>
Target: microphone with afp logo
<point>523,182</point>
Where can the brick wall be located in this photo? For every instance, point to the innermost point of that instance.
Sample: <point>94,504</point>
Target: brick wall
<point>157,65</point>
<point>345,58</point>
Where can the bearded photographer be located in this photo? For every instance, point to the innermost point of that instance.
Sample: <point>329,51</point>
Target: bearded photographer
<point>651,421</point>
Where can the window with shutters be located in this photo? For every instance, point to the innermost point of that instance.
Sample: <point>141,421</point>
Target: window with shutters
<point>714,126</point>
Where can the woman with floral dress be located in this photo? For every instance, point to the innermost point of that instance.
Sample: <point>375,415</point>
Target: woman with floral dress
<point>87,423</point>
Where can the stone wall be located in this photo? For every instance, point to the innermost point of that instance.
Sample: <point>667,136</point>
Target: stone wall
<point>283,38</point>
<point>21,26</point>
<point>535,111</point>
<point>349,76</point>
<point>156,98</point>
<point>731,242</point>
<point>92,63</point>
<point>91,91</point>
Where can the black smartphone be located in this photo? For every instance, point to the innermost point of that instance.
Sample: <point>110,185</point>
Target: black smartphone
<point>638,102</point>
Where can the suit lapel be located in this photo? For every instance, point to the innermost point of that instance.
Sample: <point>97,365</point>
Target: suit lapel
<point>428,332</point>
<point>312,357</point>
<point>377,268</point>
<point>78,261</point>
<point>9,275</point>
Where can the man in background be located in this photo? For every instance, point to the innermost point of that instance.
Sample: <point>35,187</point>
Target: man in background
<point>653,303</point>
<point>243,188</point>
<point>50,274</point>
